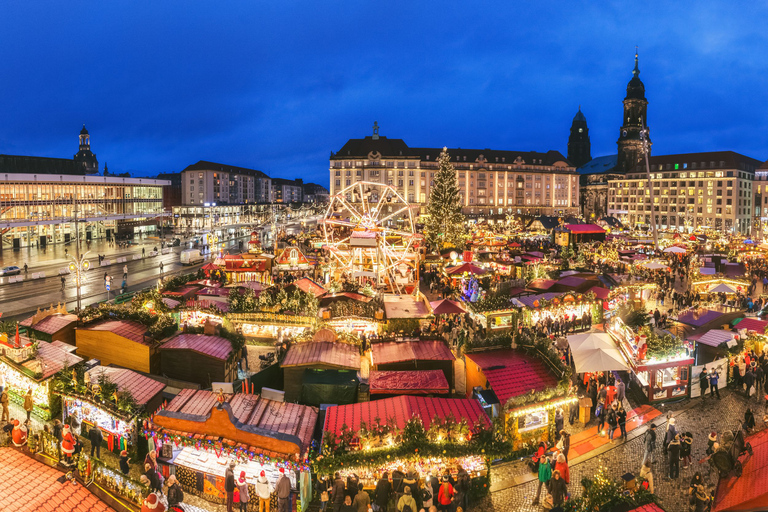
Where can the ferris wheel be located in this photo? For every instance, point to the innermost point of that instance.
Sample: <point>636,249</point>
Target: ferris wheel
<point>369,232</point>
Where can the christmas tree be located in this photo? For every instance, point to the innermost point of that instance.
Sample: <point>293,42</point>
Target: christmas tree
<point>445,222</point>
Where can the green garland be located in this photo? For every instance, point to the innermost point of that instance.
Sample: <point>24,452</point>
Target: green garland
<point>604,495</point>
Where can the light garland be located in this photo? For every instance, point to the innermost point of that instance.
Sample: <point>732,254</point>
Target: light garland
<point>516,413</point>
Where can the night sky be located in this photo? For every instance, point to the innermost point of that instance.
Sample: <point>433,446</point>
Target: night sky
<point>277,86</point>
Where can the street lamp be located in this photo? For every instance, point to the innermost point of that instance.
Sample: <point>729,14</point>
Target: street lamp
<point>78,267</point>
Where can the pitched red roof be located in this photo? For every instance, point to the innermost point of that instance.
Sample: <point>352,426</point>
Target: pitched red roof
<point>651,507</point>
<point>601,293</point>
<point>214,346</point>
<point>50,324</point>
<point>401,409</point>
<point>128,329</point>
<point>422,350</point>
<point>541,284</point>
<point>421,382</point>
<point>752,324</point>
<point>54,357</point>
<point>142,388</point>
<point>48,492</point>
<point>584,228</point>
<point>750,490</point>
<point>307,285</point>
<point>512,373</point>
<point>340,355</point>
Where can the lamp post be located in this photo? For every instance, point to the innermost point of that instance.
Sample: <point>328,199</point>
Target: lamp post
<point>78,268</point>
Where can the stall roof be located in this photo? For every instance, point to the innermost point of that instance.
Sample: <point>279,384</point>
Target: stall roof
<point>214,346</point>
<point>750,490</point>
<point>53,358</point>
<point>421,350</point>
<point>584,228</point>
<point>715,337</point>
<point>340,355</point>
<point>698,317</point>
<point>600,292</point>
<point>142,388</point>
<point>405,306</point>
<point>50,324</point>
<point>542,284</point>
<point>752,324</point>
<point>307,285</point>
<point>421,382</point>
<point>171,303</point>
<point>528,300</point>
<point>512,373</point>
<point>401,409</point>
<point>253,416</point>
<point>128,329</point>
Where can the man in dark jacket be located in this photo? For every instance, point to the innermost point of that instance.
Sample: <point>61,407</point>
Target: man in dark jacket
<point>749,380</point>
<point>96,439</point>
<point>352,481</point>
<point>649,443</point>
<point>557,489</point>
<point>383,492</point>
<point>703,382</point>
<point>759,380</point>
<point>229,485</point>
<point>337,492</point>
<point>397,483</point>
<point>674,457</point>
<point>283,491</point>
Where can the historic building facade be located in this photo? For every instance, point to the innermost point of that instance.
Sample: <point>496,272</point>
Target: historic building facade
<point>210,183</point>
<point>579,151</point>
<point>689,191</point>
<point>635,121</point>
<point>491,182</point>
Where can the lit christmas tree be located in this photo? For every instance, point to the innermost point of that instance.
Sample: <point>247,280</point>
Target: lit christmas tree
<point>445,222</point>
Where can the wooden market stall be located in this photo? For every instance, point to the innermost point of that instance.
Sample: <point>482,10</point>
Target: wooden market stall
<point>116,415</point>
<point>25,365</point>
<point>121,342</point>
<point>200,432</point>
<point>413,355</point>
<point>53,324</point>
<point>248,267</point>
<point>325,356</point>
<point>198,358</point>
<point>270,327</point>
<point>662,376</point>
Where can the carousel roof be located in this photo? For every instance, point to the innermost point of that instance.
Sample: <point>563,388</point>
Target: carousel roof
<point>422,382</point>
<point>417,350</point>
<point>401,409</point>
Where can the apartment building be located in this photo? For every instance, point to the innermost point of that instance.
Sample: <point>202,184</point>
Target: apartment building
<point>213,183</point>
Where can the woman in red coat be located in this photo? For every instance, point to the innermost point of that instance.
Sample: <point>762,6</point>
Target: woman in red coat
<point>562,466</point>
<point>67,442</point>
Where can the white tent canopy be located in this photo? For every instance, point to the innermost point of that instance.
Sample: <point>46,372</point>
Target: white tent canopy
<point>675,249</point>
<point>653,265</point>
<point>595,352</point>
<point>722,288</point>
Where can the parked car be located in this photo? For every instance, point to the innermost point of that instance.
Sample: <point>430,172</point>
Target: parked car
<point>10,271</point>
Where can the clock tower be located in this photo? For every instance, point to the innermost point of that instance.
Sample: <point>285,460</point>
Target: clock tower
<point>635,119</point>
<point>578,141</point>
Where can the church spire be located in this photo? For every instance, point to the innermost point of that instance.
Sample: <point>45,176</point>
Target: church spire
<point>636,71</point>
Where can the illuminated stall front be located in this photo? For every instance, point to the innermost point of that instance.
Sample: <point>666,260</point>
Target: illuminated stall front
<point>26,365</point>
<point>248,268</point>
<point>664,374</point>
<point>268,326</point>
<point>200,432</point>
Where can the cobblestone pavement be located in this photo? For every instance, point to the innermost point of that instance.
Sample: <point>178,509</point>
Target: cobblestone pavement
<point>700,418</point>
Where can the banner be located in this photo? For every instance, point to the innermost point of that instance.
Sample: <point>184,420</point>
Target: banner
<point>721,365</point>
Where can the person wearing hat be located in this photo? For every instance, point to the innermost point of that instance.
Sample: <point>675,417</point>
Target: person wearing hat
<point>711,441</point>
<point>264,490</point>
<point>649,443</point>
<point>673,450</point>
<point>125,467</point>
<point>283,490</point>
<point>18,434</point>
<point>229,485</point>
<point>67,442</point>
<point>242,486</point>
<point>406,500</point>
<point>152,504</point>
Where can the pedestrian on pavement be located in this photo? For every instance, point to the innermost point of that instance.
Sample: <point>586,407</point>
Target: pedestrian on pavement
<point>647,475</point>
<point>674,457</point>
<point>125,271</point>
<point>613,422</point>
<point>161,267</point>
<point>671,433</point>
<point>749,381</point>
<point>711,441</point>
<point>142,252</point>
<point>621,418</point>
<point>229,485</point>
<point>557,489</point>
<point>545,474</point>
<point>649,443</point>
<point>96,438</point>
<point>4,403</point>
<point>283,490</point>
<point>703,382</point>
<point>242,486</point>
<point>63,281</point>
<point>714,377</point>
<point>686,442</point>
<point>749,421</point>
<point>29,404</point>
<point>25,268</point>
<point>562,466</point>
<point>759,380</point>
<point>264,490</point>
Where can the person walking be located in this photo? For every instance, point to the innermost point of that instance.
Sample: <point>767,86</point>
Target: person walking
<point>242,486</point>
<point>759,380</point>
<point>283,490</point>
<point>125,271</point>
<point>29,404</point>
<point>673,451</point>
<point>545,474</point>
<point>264,491</point>
<point>613,422</point>
<point>703,382</point>
<point>749,381</point>
<point>562,466</point>
<point>686,442</point>
<point>649,443</point>
<point>63,282</point>
<point>4,403</point>
<point>714,378</point>
<point>161,267</point>
<point>565,439</point>
<point>229,485</point>
<point>96,437</point>
<point>175,492</point>
<point>558,489</point>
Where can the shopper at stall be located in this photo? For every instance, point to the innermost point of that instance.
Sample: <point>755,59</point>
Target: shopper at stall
<point>347,506</point>
<point>283,490</point>
<point>242,486</point>
<point>703,382</point>
<point>264,490</point>
<point>558,489</point>
<point>29,404</point>
<point>175,492</point>
<point>4,403</point>
<point>125,466</point>
<point>545,474</point>
<point>462,488</point>
<point>154,481</point>
<point>406,503</point>
<point>229,485</point>
<point>445,495</point>
<point>362,499</point>
<point>382,493</point>
<point>96,438</point>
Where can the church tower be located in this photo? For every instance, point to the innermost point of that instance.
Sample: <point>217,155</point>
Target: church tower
<point>578,142</point>
<point>635,118</point>
<point>84,158</point>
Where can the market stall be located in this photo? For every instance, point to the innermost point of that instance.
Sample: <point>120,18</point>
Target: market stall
<point>267,326</point>
<point>112,399</point>
<point>660,365</point>
<point>25,365</point>
<point>200,432</point>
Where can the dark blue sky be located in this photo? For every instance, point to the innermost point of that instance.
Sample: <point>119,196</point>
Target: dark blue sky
<point>277,86</point>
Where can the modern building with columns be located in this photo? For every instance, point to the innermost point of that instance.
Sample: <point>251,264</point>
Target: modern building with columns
<point>493,183</point>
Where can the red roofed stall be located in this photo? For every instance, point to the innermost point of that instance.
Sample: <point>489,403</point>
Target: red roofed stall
<point>198,358</point>
<point>324,359</point>
<point>422,382</point>
<point>413,355</point>
<point>748,492</point>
